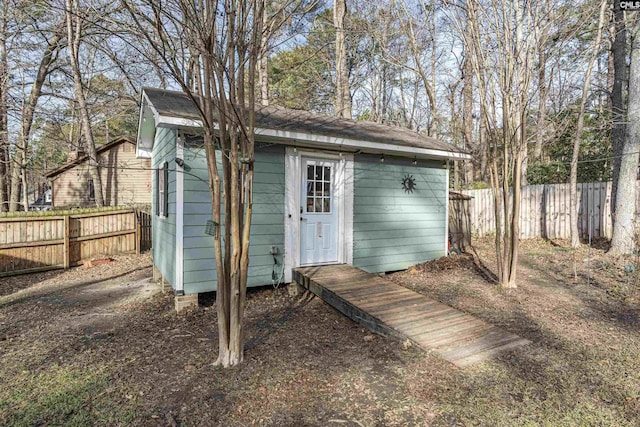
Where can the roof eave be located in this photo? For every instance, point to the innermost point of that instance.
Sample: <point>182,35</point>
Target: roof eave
<point>372,147</point>
<point>286,137</point>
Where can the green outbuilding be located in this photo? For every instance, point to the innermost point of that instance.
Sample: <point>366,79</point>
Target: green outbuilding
<point>327,190</point>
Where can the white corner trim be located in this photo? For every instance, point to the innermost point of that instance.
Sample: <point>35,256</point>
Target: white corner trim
<point>446,210</point>
<point>291,213</point>
<point>179,215</point>
<point>348,208</point>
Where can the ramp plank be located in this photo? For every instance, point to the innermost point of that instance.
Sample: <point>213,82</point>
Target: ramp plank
<point>393,310</point>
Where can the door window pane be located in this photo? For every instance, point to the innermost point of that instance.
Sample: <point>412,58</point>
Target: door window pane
<point>318,197</point>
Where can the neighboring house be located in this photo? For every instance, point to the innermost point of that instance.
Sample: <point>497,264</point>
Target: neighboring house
<point>326,191</point>
<point>42,203</point>
<point>126,179</point>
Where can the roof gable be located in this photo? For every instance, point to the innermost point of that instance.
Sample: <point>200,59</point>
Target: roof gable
<point>105,147</point>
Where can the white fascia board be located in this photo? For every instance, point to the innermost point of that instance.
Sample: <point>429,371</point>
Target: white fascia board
<point>338,143</point>
<point>143,153</point>
<point>143,105</point>
<point>177,122</point>
<point>146,129</point>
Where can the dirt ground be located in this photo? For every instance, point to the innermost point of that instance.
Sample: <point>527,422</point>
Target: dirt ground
<point>102,346</point>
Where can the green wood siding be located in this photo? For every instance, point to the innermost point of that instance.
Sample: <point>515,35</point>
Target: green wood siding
<point>267,224</point>
<point>393,229</point>
<point>164,229</point>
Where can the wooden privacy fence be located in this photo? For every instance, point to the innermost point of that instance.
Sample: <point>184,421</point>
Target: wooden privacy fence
<point>143,223</point>
<point>544,211</point>
<point>38,243</point>
<point>459,220</point>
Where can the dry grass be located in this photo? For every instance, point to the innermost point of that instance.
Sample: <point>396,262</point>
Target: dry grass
<point>112,352</point>
<point>583,367</point>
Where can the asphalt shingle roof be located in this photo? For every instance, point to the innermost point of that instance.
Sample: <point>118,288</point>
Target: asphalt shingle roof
<point>179,105</point>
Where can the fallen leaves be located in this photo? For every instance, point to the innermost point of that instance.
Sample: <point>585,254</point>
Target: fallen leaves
<point>309,365</point>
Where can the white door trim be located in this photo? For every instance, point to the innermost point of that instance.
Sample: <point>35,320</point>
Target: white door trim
<point>179,268</point>
<point>344,199</point>
<point>446,210</point>
<point>325,223</point>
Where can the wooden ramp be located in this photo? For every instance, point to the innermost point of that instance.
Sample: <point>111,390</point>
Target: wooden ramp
<point>393,310</point>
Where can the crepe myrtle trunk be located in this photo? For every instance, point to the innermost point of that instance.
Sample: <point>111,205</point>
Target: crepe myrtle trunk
<point>222,87</point>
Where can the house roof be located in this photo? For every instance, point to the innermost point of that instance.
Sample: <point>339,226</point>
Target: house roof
<point>116,141</point>
<point>295,127</point>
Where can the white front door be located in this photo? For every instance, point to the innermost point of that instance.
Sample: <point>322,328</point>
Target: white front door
<point>318,212</point>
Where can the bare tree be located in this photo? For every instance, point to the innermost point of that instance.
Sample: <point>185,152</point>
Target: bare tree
<point>543,91</point>
<point>276,15</point>
<point>343,92</point>
<point>220,40</point>
<point>467,95</point>
<point>421,40</point>
<point>456,129</point>
<point>28,114</point>
<point>4,99</point>
<point>502,65</point>
<point>75,22</point>
<point>573,208</point>
<point>622,241</point>
<point>263,60</point>
<point>619,59</point>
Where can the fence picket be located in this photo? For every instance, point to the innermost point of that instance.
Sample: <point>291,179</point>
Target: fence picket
<point>544,210</point>
<point>35,243</point>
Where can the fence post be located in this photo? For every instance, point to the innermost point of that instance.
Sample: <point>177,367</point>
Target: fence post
<point>136,217</point>
<point>67,249</point>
